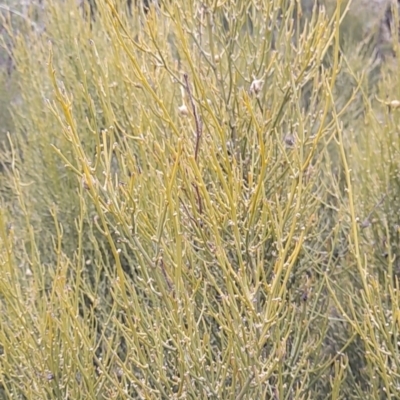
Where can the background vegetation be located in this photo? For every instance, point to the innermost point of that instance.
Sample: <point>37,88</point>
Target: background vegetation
<point>198,200</point>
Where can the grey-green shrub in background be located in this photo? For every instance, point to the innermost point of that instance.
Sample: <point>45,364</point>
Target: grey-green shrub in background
<point>184,203</point>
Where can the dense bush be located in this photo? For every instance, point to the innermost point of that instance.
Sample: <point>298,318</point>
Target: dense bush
<point>199,201</point>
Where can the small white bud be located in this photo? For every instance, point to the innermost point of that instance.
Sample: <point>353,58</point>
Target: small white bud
<point>256,86</point>
<point>394,104</point>
<point>183,110</point>
<point>391,103</point>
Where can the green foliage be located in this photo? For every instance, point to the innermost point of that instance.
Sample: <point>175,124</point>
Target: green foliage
<point>199,202</point>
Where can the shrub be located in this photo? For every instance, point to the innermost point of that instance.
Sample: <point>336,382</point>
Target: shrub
<point>182,220</point>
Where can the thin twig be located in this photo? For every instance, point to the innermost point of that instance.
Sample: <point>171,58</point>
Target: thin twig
<point>18,14</point>
<point>196,188</point>
<point>166,277</point>
<point>366,223</point>
<point>199,131</point>
<point>198,122</point>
